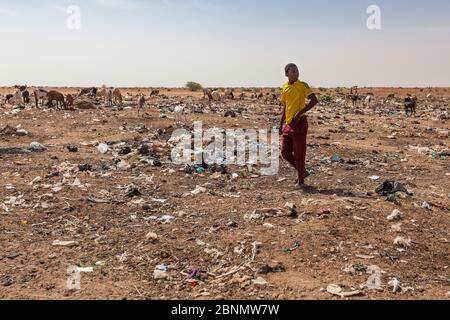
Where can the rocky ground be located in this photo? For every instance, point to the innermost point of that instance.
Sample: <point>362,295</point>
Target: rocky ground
<point>149,230</point>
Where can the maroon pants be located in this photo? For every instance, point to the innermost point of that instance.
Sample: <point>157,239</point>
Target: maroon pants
<point>293,146</point>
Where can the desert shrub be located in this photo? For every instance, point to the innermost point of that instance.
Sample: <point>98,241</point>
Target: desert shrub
<point>193,86</point>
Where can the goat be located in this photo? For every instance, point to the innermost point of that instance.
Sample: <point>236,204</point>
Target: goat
<point>141,103</point>
<point>8,98</point>
<point>229,94</point>
<point>410,106</point>
<point>117,97</point>
<point>207,94</point>
<point>58,98</point>
<point>215,95</point>
<point>26,96</point>
<point>109,97</point>
<point>90,92</point>
<point>18,97</point>
<point>40,95</point>
<point>70,100</point>
<point>154,93</point>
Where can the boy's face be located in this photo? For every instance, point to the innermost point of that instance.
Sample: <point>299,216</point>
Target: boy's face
<point>293,74</point>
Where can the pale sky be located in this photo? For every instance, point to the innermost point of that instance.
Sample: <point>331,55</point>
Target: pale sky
<point>224,43</point>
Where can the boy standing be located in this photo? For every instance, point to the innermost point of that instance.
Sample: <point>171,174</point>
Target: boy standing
<point>294,123</point>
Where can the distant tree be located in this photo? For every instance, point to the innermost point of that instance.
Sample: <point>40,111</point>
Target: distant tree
<point>194,86</point>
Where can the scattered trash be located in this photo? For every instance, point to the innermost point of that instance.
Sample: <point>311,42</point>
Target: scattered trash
<point>336,159</point>
<point>295,246</point>
<point>103,148</point>
<point>395,284</point>
<point>396,215</point>
<point>72,148</point>
<point>402,242</point>
<point>427,206</point>
<point>391,187</point>
<point>374,178</point>
<point>69,244</point>
<point>260,282</point>
<point>37,147</point>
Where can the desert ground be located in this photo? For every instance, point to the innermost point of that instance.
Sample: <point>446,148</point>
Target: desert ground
<point>150,230</point>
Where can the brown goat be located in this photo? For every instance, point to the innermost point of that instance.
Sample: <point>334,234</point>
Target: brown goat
<point>58,97</point>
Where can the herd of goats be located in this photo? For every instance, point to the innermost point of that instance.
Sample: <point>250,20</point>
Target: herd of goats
<point>113,96</point>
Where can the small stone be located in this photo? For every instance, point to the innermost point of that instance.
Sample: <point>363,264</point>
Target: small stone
<point>37,147</point>
<point>260,282</point>
<point>151,236</point>
<point>72,148</point>
<point>396,215</point>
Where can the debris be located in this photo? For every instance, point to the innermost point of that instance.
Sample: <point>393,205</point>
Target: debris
<point>72,148</point>
<point>396,215</point>
<point>395,284</point>
<point>427,206</point>
<point>334,289</point>
<point>295,246</point>
<point>69,244</point>
<point>402,242</point>
<point>37,147</point>
<point>133,191</point>
<point>391,187</point>
<point>85,167</point>
<point>151,236</point>
<point>103,148</point>
<point>260,282</point>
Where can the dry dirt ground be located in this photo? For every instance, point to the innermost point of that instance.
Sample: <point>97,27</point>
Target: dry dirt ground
<point>339,232</point>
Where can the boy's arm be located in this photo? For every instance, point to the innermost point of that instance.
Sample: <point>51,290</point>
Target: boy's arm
<point>313,101</point>
<point>283,117</point>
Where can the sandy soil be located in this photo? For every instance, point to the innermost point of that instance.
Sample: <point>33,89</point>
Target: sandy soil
<point>340,226</point>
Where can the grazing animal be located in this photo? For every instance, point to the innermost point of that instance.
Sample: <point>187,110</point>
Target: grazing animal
<point>141,103</point>
<point>102,93</point>
<point>18,97</point>
<point>215,95</point>
<point>179,114</point>
<point>229,95</point>
<point>242,96</point>
<point>117,97</point>
<point>207,94</point>
<point>154,93</point>
<point>410,106</point>
<point>26,96</point>
<point>58,97</point>
<point>354,96</point>
<point>90,92</point>
<point>20,88</point>
<point>8,98</point>
<point>40,95</point>
<point>109,97</point>
<point>70,100</point>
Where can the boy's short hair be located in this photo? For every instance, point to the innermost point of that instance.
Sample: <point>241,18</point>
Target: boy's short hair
<point>289,66</point>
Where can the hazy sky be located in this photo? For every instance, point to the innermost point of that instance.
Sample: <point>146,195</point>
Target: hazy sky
<point>224,42</point>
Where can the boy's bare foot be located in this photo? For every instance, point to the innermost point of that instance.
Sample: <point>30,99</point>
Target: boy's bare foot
<point>302,186</point>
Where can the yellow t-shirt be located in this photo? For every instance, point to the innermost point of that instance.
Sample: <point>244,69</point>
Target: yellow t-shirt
<point>294,96</point>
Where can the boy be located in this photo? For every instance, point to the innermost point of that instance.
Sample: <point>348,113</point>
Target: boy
<point>294,123</point>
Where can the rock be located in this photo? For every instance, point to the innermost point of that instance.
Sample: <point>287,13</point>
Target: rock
<point>396,215</point>
<point>72,148</point>
<point>334,289</point>
<point>123,165</point>
<point>144,149</point>
<point>85,167</point>
<point>21,132</point>
<point>260,282</point>
<point>103,148</point>
<point>69,244</point>
<point>151,236</point>
<point>37,147</point>
<point>124,150</point>
<point>402,242</point>
<point>160,275</point>
<point>133,191</point>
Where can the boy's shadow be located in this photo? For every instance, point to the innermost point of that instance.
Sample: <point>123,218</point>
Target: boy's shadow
<point>329,192</point>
